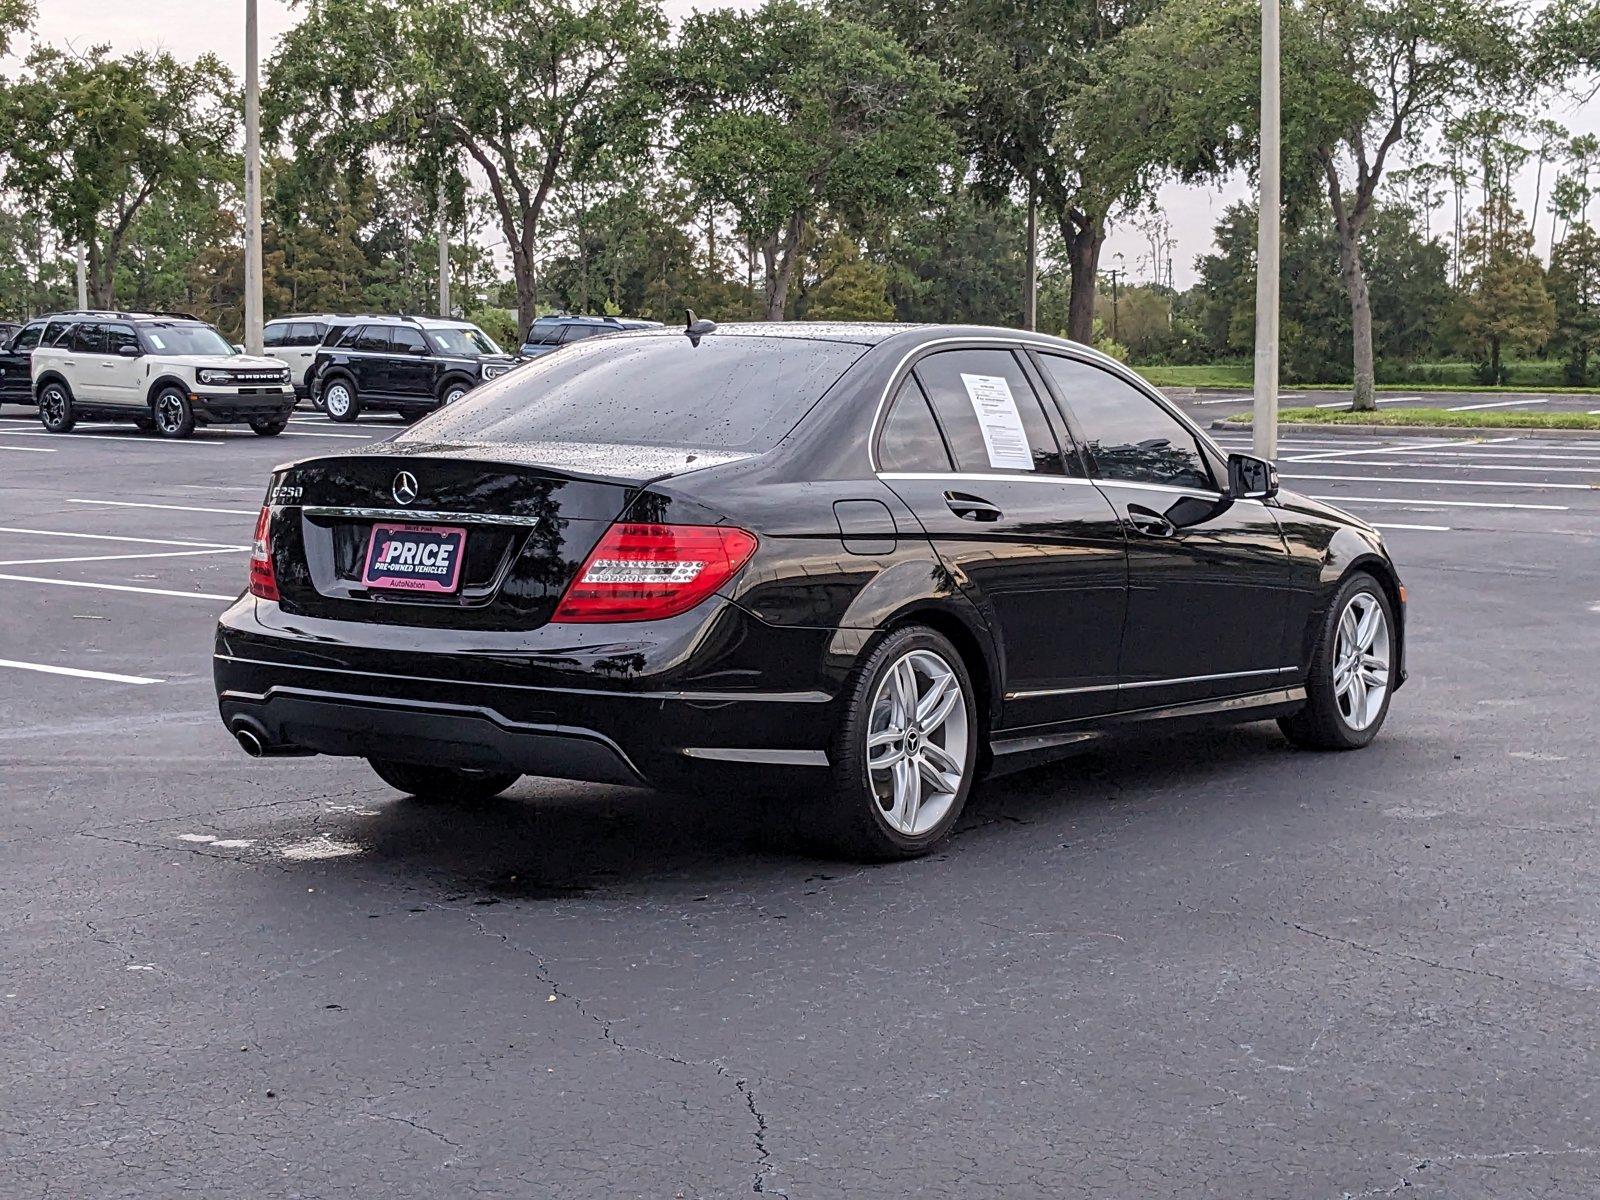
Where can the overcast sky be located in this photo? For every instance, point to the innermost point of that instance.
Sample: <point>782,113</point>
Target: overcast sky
<point>191,27</point>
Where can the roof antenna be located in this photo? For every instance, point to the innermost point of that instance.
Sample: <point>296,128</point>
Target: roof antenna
<point>696,327</point>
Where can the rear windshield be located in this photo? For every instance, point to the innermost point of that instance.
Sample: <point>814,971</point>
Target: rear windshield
<point>728,393</point>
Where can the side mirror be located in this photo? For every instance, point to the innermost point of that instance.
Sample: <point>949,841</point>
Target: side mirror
<point>1251,478</point>
<point>127,351</point>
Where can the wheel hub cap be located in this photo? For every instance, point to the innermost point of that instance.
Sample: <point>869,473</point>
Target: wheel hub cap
<point>1361,661</point>
<point>917,752</point>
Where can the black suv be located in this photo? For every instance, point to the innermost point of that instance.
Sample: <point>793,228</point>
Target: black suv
<point>409,365</point>
<point>16,352</point>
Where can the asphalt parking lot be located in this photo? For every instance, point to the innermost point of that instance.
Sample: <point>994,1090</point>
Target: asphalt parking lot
<point>1203,966</point>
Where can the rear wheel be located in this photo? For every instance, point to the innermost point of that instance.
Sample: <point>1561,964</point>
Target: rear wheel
<point>1352,672</point>
<point>453,392</point>
<point>906,750</point>
<point>269,428</point>
<point>55,408</point>
<point>341,401</point>
<point>173,414</point>
<point>454,785</point>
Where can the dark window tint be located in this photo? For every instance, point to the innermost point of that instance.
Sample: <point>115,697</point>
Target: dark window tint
<point>344,336</point>
<point>56,333</point>
<point>408,340</point>
<point>276,335</point>
<point>118,336</point>
<point>88,339</point>
<point>911,440</point>
<point>989,412</point>
<point>372,337</point>
<point>728,393</point>
<point>1127,434</point>
<point>577,333</point>
<point>28,338</point>
<point>308,334</point>
<point>544,333</point>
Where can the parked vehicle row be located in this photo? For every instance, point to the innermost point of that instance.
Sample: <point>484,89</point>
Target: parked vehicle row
<point>100,365</point>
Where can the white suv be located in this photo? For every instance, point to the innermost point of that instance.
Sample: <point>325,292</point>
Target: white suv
<point>165,373</point>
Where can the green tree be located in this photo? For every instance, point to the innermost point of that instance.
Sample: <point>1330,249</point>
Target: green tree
<point>1574,282</point>
<point>959,260</point>
<point>848,287</point>
<point>92,139</point>
<point>529,91</point>
<point>787,111</point>
<point>1382,71</point>
<point>16,16</point>
<point>1504,303</point>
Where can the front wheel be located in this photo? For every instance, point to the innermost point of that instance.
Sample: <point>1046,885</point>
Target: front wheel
<point>451,785</point>
<point>341,401</point>
<point>454,392</point>
<point>1352,672</point>
<point>55,408</point>
<point>905,753</point>
<point>269,428</point>
<point>174,416</point>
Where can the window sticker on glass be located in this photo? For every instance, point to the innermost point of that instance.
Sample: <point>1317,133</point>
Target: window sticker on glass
<point>155,340</point>
<point>996,409</point>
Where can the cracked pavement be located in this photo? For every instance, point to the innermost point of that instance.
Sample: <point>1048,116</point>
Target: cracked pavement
<point>1194,967</point>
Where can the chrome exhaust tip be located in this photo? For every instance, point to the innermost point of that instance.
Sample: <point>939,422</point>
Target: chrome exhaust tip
<point>250,741</point>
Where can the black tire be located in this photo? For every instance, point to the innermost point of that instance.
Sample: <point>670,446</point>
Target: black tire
<point>452,391</point>
<point>144,424</point>
<point>450,785</point>
<point>411,416</point>
<point>56,411</point>
<point>340,399</point>
<point>173,414</point>
<point>269,428</point>
<point>855,822</point>
<point>1324,724</point>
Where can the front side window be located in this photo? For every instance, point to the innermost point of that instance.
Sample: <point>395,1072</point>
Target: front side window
<point>989,412</point>
<point>276,335</point>
<point>577,333</point>
<point>88,338</point>
<point>544,333</point>
<point>407,340</point>
<point>308,334</point>
<point>1127,435</point>
<point>911,439</point>
<point>28,338</point>
<point>56,333</point>
<point>118,336</point>
<point>727,393</point>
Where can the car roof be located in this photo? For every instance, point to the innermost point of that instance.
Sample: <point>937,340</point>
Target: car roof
<point>284,320</point>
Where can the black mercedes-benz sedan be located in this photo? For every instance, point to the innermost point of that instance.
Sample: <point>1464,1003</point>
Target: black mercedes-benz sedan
<point>879,561</point>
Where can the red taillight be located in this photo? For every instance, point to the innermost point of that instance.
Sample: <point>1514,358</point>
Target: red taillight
<point>263,581</point>
<point>646,572</point>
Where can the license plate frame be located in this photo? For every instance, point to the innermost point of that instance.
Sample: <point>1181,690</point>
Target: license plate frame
<point>384,569</point>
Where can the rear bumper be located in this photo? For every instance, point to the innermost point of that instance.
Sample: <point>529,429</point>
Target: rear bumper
<point>516,710</point>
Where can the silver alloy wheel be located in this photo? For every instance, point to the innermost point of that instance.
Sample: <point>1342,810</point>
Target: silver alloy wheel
<point>53,405</point>
<point>336,400</point>
<point>1361,662</point>
<point>169,412</point>
<point>454,394</point>
<point>917,745</point>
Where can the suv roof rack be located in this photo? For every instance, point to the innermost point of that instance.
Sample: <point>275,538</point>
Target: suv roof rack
<point>181,316</point>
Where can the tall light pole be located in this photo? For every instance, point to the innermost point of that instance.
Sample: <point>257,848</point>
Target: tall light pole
<point>1030,294</point>
<point>83,280</point>
<point>444,255</point>
<point>1265,424</point>
<point>253,314</point>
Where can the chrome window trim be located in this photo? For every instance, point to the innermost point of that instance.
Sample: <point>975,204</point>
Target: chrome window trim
<point>1147,683</point>
<point>1019,477</point>
<point>414,514</point>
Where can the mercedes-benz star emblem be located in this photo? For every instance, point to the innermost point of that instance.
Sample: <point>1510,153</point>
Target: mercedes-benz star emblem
<point>405,487</point>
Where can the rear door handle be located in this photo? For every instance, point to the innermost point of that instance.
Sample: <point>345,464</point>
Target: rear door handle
<point>1149,522</point>
<point>972,508</point>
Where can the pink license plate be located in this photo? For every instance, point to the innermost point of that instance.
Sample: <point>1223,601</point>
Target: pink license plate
<point>415,558</point>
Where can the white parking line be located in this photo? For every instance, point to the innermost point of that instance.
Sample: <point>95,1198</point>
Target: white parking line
<point>115,537</point>
<point>36,562</point>
<point>1525,484</point>
<point>233,512</point>
<point>1322,455</point>
<point>132,438</point>
<point>1424,528</point>
<point>1494,404</point>
<point>116,587</point>
<point>1412,502</point>
<point>1381,400</point>
<point>76,673</point>
<point>29,449</point>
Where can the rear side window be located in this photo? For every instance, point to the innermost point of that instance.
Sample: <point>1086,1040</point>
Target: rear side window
<point>989,412</point>
<point>1126,434</point>
<point>911,440</point>
<point>727,393</point>
<point>577,333</point>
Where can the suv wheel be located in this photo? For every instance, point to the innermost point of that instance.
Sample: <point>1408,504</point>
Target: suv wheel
<point>55,408</point>
<point>454,392</point>
<point>270,428</point>
<point>448,784</point>
<point>173,414</point>
<point>412,415</point>
<point>905,754</point>
<point>1349,683</point>
<point>340,400</point>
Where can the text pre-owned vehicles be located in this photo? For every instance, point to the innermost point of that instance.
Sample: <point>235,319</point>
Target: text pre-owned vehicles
<point>882,558</point>
<point>409,365</point>
<point>16,358</point>
<point>296,341</point>
<point>548,334</point>
<point>166,373</point>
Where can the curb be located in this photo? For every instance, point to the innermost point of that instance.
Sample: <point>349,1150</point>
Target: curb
<point>1446,431</point>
